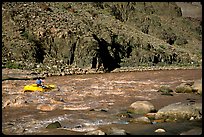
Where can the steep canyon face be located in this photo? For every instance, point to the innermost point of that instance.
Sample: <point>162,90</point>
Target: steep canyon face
<point>57,36</point>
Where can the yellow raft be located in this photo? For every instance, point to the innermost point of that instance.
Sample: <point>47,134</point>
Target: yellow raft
<point>34,87</point>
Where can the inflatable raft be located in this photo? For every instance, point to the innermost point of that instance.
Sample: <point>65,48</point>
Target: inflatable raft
<point>34,87</point>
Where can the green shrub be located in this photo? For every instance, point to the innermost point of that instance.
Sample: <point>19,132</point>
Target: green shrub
<point>31,37</point>
<point>13,65</point>
<point>181,41</point>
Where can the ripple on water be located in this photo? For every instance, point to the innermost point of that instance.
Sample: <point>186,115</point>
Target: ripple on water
<point>80,94</point>
<point>88,125</point>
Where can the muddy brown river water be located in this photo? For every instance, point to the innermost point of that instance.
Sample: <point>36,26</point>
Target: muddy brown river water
<point>88,102</point>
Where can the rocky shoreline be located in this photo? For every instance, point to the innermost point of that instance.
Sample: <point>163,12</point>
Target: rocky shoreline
<point>15,74</point>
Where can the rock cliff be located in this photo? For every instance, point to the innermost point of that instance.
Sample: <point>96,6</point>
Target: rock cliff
<point>57,36</point>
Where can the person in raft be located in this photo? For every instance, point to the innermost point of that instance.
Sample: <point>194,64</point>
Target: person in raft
<point>40,82</point>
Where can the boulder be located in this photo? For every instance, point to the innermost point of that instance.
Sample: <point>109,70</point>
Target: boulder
<point>160,130</point>
<point>141,107</point>
<point>184,88</point>
<point>141,119</point>
<point>116,131</point>
<point>96,132</point>
<point>54,125</point>
<point>197,86</point>
<point>165,89</point>
<point>180,111</point>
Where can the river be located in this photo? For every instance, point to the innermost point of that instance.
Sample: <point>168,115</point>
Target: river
<point>95,101</point>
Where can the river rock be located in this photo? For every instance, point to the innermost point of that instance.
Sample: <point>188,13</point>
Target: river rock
<point>98,109</point>
<point>54,125</point>
<point>197,86</point>
<point>80,107</point>
<point>96,132</point>
<point>184,88</point>
<point>116,131</point>
<point>83,128</point>
<point>159,130</point>
<point>18,101</point>
<point>6,103</point>
<point>165,89</point>
<point>141,107</point>
<point>141,119</point>
<point>180,110</point>
<point>151,116</point>
<point>46,107</point>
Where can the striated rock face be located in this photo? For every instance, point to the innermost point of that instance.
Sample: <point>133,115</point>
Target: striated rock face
<point>59,36</point>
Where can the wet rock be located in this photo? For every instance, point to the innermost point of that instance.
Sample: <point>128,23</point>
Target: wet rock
<point>126,115</point>
<point>18,101</point>
<point>159,130</point>
<point>190,87</point>
<point>190,83</point>
<point>151,116</point>
<point>96,132</point>
<point>167,94</point>
<point>98,109</point>
<point>192,118</point>
<point>46,107</point>
<point>80,107</point>
<point>121,122</point>
<point>158,121</point>
<point>197,86</point>
<point>83,128</point>
<point>141,107</point>
<point>194,131</point>
<point>184,88</point>
<point>116,131</point>
<point>166,90</point>
<point>54,125</point>
<point>6,103</point>
<point>59,101</point>
<point>141,119</point>
<point>182,111</point>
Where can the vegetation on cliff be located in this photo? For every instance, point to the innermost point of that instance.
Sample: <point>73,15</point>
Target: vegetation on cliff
<point>55,36</point>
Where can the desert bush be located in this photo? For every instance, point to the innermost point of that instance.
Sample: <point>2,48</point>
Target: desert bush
<point>13,65</point>
<point>181,41</point>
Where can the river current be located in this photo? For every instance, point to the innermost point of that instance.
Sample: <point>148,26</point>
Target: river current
<point>89,102</point>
